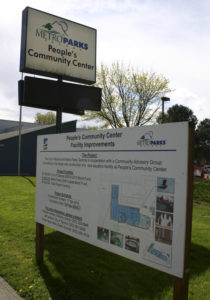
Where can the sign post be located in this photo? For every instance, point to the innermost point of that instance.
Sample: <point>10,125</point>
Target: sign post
<point>39,242</point>
<point>19,141</point>
<point>181,284</point>
<point>59,114</point>
<point>59,120</point>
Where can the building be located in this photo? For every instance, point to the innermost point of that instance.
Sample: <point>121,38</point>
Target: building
<point>9,143</point>
<point>9,126</point>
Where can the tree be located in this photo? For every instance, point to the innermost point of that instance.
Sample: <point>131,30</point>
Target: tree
<point>202,142</point>
<point>129,98</point>
<point>178,113</point>
<point>90,127</point>
<point>46,119</point>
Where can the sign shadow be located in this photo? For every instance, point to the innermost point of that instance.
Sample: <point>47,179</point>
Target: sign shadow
<point>73,269</point>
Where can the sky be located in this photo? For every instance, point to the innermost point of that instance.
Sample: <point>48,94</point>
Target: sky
<point>171,38</point>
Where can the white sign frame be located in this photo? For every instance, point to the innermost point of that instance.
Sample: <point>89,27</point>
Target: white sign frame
<point>123,190</point>
<point>53,46</point>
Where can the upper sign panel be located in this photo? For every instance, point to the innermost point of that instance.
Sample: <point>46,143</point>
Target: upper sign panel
<point>52,46</point>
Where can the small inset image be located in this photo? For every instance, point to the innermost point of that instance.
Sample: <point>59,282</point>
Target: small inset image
<point>103,234</point>
<point>116,239</point>
<point>165,185</point>
<point>164,220</point>
<point>132,244</point>
<point>163,235</point>
<point>165,203</point>
<point>158,253</point>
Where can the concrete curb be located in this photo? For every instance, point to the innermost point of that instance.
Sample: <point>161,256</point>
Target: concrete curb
<point>7,292</point>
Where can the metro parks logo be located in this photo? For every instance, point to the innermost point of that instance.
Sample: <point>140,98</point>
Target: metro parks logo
<point>148,140</point>
<point>57,27</point>
<point>58,32</point>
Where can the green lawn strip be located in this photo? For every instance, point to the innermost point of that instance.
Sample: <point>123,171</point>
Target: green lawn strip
<point>76,270</point>
<point>199,287</point>
<point>201,191</point>
<point>17,234</point>
<point>92,273</point>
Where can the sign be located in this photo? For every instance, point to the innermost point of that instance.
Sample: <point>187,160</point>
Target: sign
<point>207,176</point>
<point>53,46</point>
<point>51,94</point>
<point>198,171</point>
<point>123,190</point>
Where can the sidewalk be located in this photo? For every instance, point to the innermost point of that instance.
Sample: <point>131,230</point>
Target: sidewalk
<point>7,292</point>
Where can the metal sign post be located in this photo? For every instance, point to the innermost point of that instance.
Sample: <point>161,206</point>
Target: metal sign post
<point>19,141</point>
<point>59,113</point>
<point>59,120</point>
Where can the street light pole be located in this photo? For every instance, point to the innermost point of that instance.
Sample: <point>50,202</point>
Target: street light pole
<point>164,99</point>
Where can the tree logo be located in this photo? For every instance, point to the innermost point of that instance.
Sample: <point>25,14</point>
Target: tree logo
<point>147,136</point>
<point>56,27</point>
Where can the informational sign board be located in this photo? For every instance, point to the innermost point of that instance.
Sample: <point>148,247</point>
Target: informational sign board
<point>123,190</point>
<point>53,46</point>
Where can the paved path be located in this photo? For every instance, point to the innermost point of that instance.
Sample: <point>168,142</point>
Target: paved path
<point>7,292</point>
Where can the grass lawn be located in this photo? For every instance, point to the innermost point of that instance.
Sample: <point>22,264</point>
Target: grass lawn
<point>75,270</point>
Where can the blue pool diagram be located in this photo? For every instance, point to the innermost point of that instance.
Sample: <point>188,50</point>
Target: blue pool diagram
<point>126,214</point>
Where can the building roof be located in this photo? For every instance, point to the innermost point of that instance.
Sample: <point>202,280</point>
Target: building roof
<point>9,125</point>
<point>7,135</point>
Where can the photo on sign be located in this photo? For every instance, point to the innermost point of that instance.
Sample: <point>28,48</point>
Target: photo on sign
<point>126,214</point>
<point>103,234</point>
<point>163,235</point>
<point>165,220</point>
<point>132,244</point>
<point>116,239</point>
<point>158,253</point>
<point>165,203</point>
<point>165,185</point>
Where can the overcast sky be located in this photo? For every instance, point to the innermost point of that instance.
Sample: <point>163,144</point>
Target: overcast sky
<point>168,37</point>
